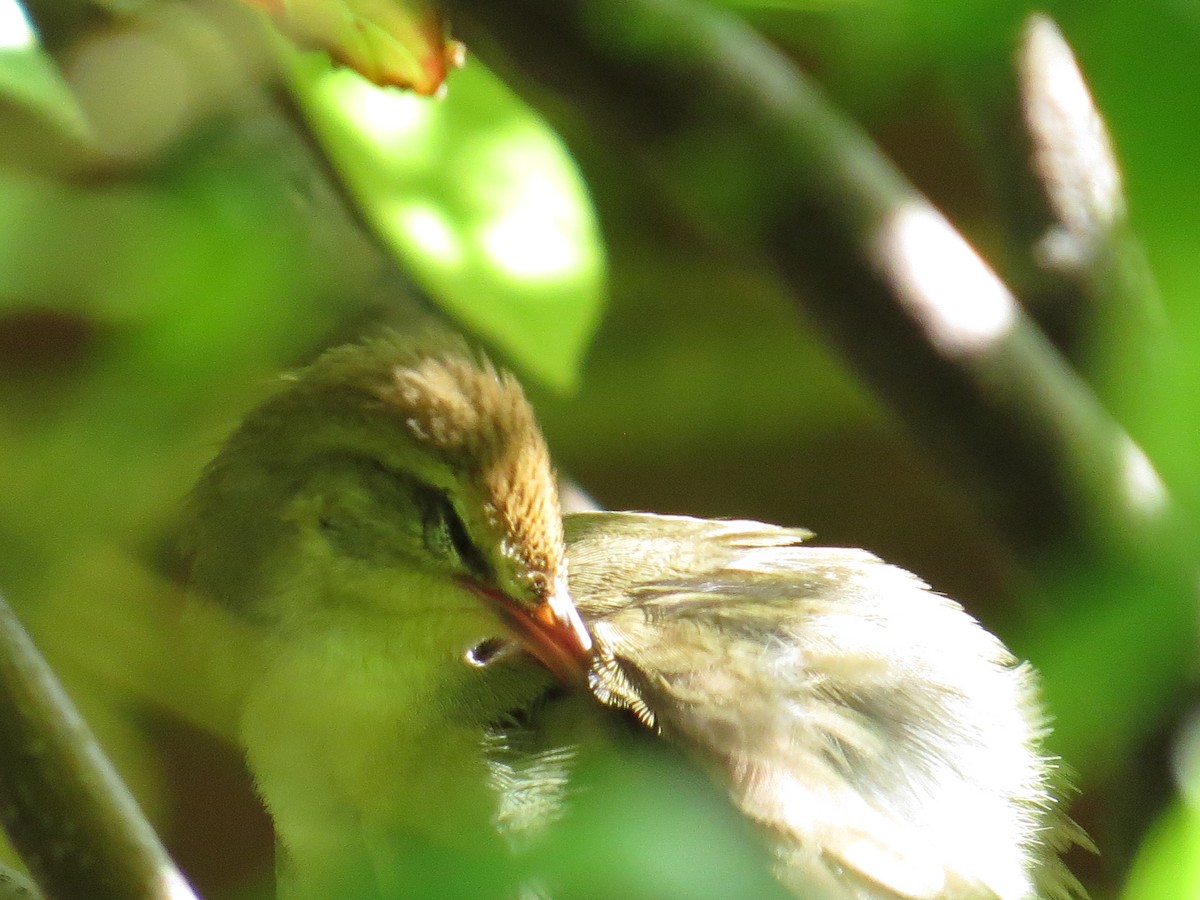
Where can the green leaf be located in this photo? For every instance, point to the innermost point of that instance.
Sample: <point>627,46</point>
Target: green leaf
<point>29,77</point>
<point>479,200</point>
<point>1168,864</point>
<point>1089,615</point>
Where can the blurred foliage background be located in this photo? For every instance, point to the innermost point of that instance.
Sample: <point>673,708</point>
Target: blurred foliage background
<point>189,207</point>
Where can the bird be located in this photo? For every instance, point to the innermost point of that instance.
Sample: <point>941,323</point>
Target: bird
<point>439,652</point>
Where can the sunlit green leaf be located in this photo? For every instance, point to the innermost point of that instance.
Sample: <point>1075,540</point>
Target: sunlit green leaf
<point>481,202</point>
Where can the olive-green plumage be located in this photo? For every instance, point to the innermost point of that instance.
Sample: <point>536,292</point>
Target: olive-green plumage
<point>388,524</point>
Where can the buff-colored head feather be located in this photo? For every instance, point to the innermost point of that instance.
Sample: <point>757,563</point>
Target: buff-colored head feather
<point>427,404</point>
<point>470,412</point>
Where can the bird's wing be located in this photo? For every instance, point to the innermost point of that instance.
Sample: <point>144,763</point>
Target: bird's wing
<point>887,743</point>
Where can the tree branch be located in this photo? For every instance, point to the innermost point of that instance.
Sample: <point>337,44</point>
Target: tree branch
<point>65,809</point>
<point>741,141</point>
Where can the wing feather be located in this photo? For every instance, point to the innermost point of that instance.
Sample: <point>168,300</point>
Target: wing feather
<point>887,743</point>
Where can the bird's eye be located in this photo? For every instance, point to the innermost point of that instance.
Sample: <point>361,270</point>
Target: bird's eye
<point>486,652</point>
<point>446,536</point>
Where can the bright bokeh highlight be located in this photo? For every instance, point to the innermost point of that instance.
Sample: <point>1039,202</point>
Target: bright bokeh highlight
<point>15,31</point>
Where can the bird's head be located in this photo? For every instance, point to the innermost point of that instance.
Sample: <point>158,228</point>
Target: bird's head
<point>393,456</point>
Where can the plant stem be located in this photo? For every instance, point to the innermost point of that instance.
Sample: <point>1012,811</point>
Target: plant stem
<point>65,809</point>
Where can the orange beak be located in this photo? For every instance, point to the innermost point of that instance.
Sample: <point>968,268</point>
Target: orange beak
<point>552,631</point>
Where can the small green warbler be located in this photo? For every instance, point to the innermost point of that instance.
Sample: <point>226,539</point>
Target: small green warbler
<point>439,649</point>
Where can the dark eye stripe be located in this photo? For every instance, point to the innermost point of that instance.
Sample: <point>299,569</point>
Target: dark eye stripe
<point>470,554</point>
<point>446,535</point>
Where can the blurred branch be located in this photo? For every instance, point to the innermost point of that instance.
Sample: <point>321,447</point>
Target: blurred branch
<point>65,809</point>
<point>746,145</point>
<point>1096,289</point>
<point>1072,256</point>
<point>1072,153</point>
